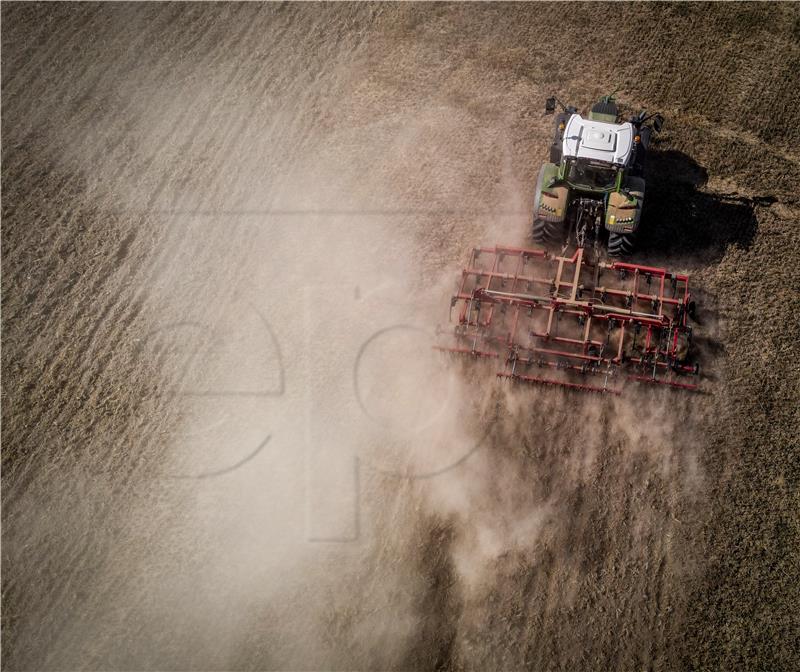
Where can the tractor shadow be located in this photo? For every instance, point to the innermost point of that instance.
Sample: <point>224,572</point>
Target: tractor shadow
<point>679,219</point>
<point>684,224</point>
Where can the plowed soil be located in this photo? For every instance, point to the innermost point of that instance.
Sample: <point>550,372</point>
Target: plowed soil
<point>226,229</point>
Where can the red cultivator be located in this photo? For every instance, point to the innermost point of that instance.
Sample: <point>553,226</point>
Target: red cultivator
<point>557,320</point>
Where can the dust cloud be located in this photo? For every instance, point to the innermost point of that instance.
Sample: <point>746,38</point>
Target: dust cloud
<point>315,331</point>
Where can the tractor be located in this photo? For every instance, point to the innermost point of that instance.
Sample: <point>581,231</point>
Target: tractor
<point>594,181</point>
<point>566,316</point>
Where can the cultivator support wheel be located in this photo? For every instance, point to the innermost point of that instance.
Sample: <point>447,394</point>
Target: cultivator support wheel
<point>573,317</point>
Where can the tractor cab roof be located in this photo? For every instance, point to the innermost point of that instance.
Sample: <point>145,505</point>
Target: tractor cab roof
<point>598,141</point>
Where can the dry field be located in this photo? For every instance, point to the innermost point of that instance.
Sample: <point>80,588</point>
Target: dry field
<point>214,218</point>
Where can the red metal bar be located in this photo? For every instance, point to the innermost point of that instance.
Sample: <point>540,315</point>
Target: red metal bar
<point>467,351</point>
<point>618,265</point>
<point>670,383</point>
<point>559,383</point>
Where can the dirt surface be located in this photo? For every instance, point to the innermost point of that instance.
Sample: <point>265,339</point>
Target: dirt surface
<point>226,229</point>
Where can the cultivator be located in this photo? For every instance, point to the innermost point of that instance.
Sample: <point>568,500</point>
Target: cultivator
<point>573,321</point>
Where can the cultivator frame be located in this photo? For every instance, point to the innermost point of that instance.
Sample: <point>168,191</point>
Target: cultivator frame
<point>573,317</point>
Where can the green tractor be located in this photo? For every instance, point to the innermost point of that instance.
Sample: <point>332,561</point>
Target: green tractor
<point>594,181</point>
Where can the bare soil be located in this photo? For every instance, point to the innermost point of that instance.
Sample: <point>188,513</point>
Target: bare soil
<point>177,176</point>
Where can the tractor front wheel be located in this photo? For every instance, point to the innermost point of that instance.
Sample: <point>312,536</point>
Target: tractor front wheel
<point>620,244</point>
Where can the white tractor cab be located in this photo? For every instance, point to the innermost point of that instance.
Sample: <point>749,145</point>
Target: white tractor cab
<point>594,181</point>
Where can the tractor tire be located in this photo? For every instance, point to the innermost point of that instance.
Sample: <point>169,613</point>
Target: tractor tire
<point>544,232</point>
<point>620,244</point>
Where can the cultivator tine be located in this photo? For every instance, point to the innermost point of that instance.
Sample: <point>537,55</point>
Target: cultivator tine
<point>575,315</point>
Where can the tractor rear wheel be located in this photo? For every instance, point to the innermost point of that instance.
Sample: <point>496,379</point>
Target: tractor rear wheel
<point>620,244</point>
<point>545,232</point>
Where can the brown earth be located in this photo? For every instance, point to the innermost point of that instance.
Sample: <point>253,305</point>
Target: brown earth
<point>177,176</point>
